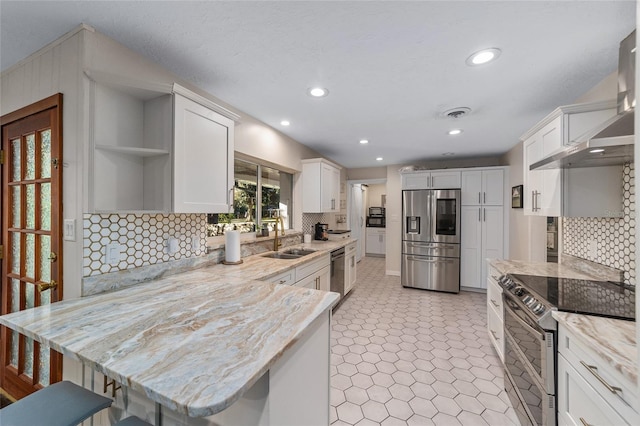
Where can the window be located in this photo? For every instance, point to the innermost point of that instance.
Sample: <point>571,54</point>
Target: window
<point>260,195</point>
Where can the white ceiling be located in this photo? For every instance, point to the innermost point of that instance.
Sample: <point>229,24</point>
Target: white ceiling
<point>391,67</point>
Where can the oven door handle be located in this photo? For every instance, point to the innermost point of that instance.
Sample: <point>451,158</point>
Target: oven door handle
<point>537,333</point>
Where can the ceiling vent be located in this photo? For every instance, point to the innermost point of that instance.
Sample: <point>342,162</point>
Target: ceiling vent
<point>456,113</point>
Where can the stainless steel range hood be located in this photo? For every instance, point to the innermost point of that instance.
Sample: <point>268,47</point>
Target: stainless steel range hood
<point>611,142</point>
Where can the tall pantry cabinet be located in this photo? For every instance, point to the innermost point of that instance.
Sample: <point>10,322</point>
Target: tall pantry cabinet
<point>483,201</point>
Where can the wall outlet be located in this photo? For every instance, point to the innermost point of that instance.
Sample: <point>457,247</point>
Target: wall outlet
<point>592,248</point>
<point>113,252</point>
<point>173,245</point>
<point>195,243</point>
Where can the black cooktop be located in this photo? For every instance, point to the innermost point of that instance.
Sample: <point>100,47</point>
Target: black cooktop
<point>602,298</point>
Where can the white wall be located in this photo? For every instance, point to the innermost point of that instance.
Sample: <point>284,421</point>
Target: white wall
<point>374,196</point>
<point>394,218</point>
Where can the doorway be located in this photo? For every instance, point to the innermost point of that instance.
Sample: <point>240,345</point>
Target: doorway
<point>357,202</point>
<point>31,243</point>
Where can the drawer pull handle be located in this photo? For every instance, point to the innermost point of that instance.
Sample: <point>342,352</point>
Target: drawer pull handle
<point>494,303</point>
<point>494,277</point>
<point>593,370</point>
<point>282,281</point>
<point>584,422</point>
<point>495,336</point>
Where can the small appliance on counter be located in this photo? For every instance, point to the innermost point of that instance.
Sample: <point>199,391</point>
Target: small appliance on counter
<point>338,234</point>
<point>321,231</point>
<point>376,217</point>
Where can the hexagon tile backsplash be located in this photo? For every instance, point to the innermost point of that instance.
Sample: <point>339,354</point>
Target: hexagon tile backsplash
<point>142,238</point>
<point>616,237</point>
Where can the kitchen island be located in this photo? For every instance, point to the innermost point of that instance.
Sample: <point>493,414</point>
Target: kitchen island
<point>200,344</point>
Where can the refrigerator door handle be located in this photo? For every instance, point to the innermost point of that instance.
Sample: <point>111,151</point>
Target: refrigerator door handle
<point>429,260</point>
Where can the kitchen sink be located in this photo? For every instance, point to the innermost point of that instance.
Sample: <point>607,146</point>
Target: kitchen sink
<point>278,255</point>
<point>299,252</point>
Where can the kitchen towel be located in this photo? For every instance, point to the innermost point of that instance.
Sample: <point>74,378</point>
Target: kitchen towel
<point>232,246</point>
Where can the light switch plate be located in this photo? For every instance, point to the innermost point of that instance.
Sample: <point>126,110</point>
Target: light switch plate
<point>69,229</point>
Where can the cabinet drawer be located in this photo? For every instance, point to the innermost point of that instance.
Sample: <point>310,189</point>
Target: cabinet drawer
<point>307,269</point>
<point>625,400</point>
<point>578,403</point>
<point>285,278</point>
<point>494,297</point>
<point>350,248</point>
<point>495,328</point>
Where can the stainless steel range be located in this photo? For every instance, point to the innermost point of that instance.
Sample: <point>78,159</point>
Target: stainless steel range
<point>531,339</point>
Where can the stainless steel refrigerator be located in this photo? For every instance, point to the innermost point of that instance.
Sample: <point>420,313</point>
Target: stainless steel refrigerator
<point>431,239</point>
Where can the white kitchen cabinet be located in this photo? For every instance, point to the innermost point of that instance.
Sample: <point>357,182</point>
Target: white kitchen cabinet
<point>153,149</point>
<point>482,225</point>
<point>483,187</point>
<point>482,237</point>
<point>439,179</point>
<point>320,186</point>
<point>584,396</point>
<point>545,190</point>
<point>495,313</point>
<point>315,274</point>
<point>375,243</point>
<point>350,265</point>
<point>203,159</point>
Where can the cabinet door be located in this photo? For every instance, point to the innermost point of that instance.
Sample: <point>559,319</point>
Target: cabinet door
<point>496,331</point>
<point>335,190</point>
<point>350,275</point>
<point>371,240</point>
<point>382,242</point>
<point>471,188</point>
<point>324,279</point>
<point>551,137</point>
<point>492,187</point>
<point>579,403</point>
<point>326,187</point>
<point>492,237</point>
<point>532,178</point>
<point>203,159</point>
<point>309,282</point>
<point>470,246</point>
<point>416,180</point>
<point>550,198</point>
<point>446,180</point>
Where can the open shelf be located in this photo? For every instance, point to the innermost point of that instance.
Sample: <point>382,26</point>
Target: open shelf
<point>130,150</point>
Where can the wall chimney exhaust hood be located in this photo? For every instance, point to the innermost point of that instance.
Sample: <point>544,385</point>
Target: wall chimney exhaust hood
<point>610,143</point>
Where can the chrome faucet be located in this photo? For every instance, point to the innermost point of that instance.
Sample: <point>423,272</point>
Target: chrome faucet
<point>276,242</point>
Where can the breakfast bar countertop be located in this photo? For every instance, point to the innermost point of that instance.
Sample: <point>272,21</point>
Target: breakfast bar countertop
<point>193,342</point>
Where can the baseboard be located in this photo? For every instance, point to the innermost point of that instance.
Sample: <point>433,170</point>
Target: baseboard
<point>393,273</point>
<point>474,289</point>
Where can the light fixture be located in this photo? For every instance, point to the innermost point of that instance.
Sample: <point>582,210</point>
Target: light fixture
<point>285,122</point>
<point>318,92</point>
<point>454,132</point>
<point>483,56</point>
<point>379,159</point>
<point>597,150</point>
<point>364,141</point>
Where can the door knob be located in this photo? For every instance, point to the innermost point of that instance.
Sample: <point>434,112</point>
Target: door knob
<point>47,286</point>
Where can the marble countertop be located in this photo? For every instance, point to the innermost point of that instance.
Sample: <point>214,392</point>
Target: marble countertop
<point>194,341</point>
<point>539,268</point>
<point>613,340</point>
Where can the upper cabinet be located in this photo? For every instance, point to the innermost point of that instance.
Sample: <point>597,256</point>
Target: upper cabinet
<point>551,192</point>
<point>443,179</point>
<point>320,186</point>
<point>156,148</point>
<point>483,187</point>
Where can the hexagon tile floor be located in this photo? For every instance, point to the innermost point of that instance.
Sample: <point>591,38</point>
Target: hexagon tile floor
<point>412,357</point>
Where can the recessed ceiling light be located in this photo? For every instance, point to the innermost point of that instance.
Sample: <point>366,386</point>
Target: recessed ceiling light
<point>318,92</point>
<point>379,159</point>
<point>483,56</point>
<point>364,141</point>
<point>597,150</point>
<point>454,132</point>
<point>285,122</point>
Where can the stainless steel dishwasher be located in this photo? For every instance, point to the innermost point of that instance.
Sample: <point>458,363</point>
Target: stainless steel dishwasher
<point>337,271</point>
